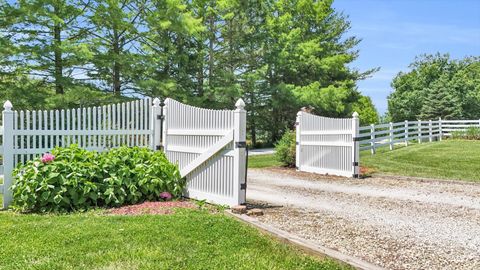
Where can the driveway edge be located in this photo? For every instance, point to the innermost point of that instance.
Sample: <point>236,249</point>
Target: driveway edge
<point>306,245</point>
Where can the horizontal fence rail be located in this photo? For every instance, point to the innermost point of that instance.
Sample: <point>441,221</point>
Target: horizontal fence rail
<point>389,134</point>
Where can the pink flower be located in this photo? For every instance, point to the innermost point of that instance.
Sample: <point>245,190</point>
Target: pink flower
<point>46,158</point>
<point>166,196</point>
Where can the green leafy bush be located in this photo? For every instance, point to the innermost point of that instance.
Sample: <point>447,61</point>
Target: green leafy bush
<point>78,179</point>
<point>285,149</point>
<point>471,133</point>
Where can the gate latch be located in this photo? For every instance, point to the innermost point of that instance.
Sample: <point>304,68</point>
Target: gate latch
<point>241,145</point>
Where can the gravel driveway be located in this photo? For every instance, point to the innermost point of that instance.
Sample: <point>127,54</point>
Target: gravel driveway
<point>394,222</point>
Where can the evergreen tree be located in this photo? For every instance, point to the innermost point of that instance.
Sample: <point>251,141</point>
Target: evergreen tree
<point>44,39</point>
<point>440,102</point>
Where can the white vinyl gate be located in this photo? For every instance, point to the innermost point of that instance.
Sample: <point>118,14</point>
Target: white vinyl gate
<point>201,141</point>
<point>209,147</point>
<point>327,145</point>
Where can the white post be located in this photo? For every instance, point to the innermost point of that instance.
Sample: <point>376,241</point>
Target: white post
<point>155,128</point>
<point>406,132</point>
<point>239,139</point>
<point>8,117</point>
<point>430,138</point>
<point>419,131</point>
<point>372,139</point>
<point>165,125</point>
<point>440,132</point>
<point>391,135</point>
<point>298,138</point>
<point>356,145</point>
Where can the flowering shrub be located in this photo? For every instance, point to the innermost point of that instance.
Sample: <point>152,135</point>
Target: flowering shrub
<point>75,179</point>
<point>166,196</point>
<point>46,158</point>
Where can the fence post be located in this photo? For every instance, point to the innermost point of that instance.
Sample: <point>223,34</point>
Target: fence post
<point>440,132</point>
<point>430,138</point>
<point>406,132</point>
<point>164,130</point>
<point>156,122</point>
<point>391,135</point>
<point>419,126</point>
<point>372,139</point>
<point>239,139</point>
<point>297,140</point>
<point>356,145</point>
<point>8,117</point>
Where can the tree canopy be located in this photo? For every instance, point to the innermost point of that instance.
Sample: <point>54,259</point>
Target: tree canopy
<point>279,55</point>
<point>437,86</point>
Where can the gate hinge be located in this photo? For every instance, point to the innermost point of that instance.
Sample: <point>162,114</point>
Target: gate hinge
<point>241,145</point>
<point>355,163</point>
<point>243,186</point>
<point>356,139</point>
<point>356,175</point>
<point>159,147</point>
<point>297,143</point>
<point>160,117</point>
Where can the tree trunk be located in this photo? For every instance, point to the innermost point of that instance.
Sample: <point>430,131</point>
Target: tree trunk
<point>116,84</point>
<point>58,74</point>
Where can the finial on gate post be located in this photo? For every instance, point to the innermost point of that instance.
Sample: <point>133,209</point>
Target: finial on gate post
<point>355,115</point>
<point>8,106</point>
<point>156,102</point>
<point>240,104</point>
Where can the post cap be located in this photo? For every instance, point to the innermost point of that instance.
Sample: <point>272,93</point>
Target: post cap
<point>8,106</point>
<point>240,104</point>
<point>156,102</point>
<point>355,115</point>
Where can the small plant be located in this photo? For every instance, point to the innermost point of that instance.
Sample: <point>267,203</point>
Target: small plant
<point>285,149</point>
<point>471,133</point>
<point>201,204</point>
<point>166,196</point>
<point>72,178</point>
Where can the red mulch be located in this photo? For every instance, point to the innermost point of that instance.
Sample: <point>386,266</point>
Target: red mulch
<point>154,208</point>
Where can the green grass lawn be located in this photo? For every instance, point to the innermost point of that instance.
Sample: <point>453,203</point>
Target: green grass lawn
<point>188,239</point>
<point>263,161</point>
<point>448,159</point>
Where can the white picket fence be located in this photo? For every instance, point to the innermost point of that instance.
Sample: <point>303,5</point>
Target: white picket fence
<point>28,134</point>
<point>327,145</point>
<point>375,136</point>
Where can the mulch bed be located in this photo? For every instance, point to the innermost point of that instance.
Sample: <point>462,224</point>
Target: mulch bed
<point>152,208</point>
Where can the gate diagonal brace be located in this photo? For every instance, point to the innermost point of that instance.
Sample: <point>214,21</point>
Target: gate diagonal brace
<point>215,148</point>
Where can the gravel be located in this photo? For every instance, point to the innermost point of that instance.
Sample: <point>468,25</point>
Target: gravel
<point>394,222</point>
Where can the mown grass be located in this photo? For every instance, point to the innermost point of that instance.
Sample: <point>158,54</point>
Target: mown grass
<point>448,159</point>
<point>263,161</point>
<point>188,239</point>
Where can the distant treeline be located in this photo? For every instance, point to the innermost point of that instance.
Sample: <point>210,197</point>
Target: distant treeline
<point>279,55</point>
<point>437,86</point>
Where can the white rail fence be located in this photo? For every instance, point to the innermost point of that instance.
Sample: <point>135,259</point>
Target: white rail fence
<point>327,145</point>
<point>375,136</point>
<point>213,176</point>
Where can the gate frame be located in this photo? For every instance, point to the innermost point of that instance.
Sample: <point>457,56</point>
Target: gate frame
<point>355,146</point>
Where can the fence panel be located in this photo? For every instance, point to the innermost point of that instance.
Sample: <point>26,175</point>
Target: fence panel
<point>375,136</point>
<point>327,145</point>
<point>29,134</point>
<point>209,148</point>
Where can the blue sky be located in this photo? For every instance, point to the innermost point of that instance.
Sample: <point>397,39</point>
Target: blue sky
<point>393,32</point>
